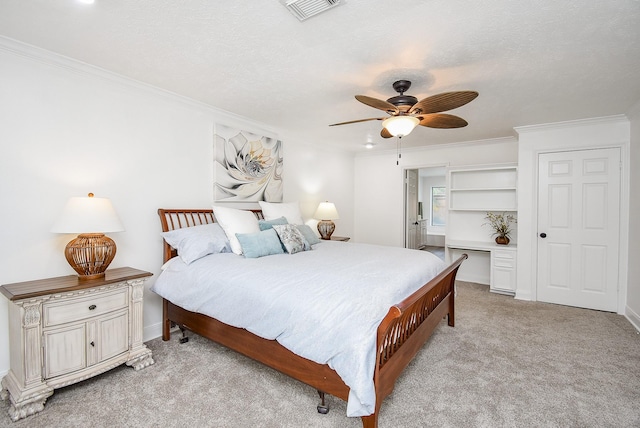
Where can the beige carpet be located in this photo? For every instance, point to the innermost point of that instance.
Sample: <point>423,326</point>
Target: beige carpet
<point>507,363</point>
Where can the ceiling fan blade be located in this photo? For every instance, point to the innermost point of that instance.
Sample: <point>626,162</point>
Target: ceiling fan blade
<point>356,121</point>
<point>443,102</point>
<point>379,104</point>
<point>385,134</point>
<point>442,121</point>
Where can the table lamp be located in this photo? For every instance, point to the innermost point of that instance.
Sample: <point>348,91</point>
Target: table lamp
<point>325,213</point>
<point>91,252</point>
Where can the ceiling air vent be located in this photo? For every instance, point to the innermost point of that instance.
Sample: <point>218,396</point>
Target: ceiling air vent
<point>303,9</point>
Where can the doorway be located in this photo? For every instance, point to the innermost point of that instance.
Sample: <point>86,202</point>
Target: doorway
<point>426,209</point>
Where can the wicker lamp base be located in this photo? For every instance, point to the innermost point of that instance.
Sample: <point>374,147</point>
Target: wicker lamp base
<point>326,228</point>
<point>90,254</point>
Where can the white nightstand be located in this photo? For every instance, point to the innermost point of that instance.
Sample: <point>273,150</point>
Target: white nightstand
<point>63,330</point>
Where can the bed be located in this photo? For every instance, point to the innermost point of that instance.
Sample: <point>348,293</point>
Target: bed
<point>396,338</point>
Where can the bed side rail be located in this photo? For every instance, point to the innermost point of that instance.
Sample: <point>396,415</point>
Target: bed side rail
<point>407,316</point>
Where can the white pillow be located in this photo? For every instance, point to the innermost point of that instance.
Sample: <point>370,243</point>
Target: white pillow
<point>289,210</point>
<point>235,221</point>
<point>195,242</point>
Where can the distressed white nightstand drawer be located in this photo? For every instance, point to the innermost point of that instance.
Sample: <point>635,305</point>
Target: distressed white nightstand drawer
<point>70,310</point>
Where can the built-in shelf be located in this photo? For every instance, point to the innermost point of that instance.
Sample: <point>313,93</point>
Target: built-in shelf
<point>474,191</point>
<point>483,189</point>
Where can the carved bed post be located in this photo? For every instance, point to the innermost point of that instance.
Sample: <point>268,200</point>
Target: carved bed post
<point>166,322</point>
<point>451,320</point>
<point>371,421</point>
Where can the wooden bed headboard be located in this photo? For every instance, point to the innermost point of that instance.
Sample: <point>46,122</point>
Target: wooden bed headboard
<point>172,219</point>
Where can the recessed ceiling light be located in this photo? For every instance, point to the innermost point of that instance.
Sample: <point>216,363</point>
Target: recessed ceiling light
<point>87,1</point>
<point>369,145</point>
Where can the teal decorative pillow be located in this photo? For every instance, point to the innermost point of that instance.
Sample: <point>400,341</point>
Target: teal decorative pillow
<point>260,244</point>
<point>268,224</point>
<point>291,238</point>
<point>308,234</point>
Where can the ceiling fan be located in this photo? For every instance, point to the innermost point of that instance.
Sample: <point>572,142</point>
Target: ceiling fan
<point>406,112</point>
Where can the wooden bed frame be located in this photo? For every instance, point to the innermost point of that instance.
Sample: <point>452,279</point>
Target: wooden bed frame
<point>401,334</point>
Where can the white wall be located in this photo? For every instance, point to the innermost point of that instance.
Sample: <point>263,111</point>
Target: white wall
<point>379,200</point>
<point>69,129</point>
<point>633,283</point>
<point>582,134</point>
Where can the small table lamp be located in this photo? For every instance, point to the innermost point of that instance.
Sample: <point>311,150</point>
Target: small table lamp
<point>325,213</point>
<point>91,252</point>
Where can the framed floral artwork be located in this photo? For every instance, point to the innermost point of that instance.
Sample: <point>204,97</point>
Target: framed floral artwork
<point>247,166</point>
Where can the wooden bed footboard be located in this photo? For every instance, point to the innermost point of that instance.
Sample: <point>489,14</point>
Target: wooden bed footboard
<point>401,334</point>
<point>410,323</point>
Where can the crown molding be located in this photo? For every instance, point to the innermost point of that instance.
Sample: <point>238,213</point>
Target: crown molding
<point>43,56</point>
<point>404,150</point>
<point>618,118</point>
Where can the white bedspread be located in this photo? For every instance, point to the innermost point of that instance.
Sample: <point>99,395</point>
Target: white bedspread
<point>324,305</point>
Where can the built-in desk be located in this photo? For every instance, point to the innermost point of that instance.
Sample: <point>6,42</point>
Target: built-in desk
<point>499,259</point>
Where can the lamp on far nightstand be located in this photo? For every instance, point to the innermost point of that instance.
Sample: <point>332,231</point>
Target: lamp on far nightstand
<point>325,213</point>
<point>91,252</point>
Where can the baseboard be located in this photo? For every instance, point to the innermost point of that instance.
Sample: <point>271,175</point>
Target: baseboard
<point>155,330</point>
<point>522,295</point>
<point>471,277</point>
<point>633,317</point>
<point>152,331</point>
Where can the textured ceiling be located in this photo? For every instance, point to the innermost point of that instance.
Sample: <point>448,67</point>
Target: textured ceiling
<point>533,62</point>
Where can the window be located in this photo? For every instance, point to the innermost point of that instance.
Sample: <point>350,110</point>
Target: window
<point>438,206</point>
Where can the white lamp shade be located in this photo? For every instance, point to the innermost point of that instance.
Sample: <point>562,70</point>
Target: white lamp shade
<point>399,126</point>
<point>326,211</point>
<point>88,215</point>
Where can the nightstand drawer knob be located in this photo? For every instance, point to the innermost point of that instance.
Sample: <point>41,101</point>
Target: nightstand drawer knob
<point>92,307</point>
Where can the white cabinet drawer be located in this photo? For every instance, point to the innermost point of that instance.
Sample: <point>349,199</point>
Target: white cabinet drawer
<point>70,310</point>
<point>502,254</point>
<point>507,264</point>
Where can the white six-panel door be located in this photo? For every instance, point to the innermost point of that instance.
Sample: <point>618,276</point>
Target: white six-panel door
<point>578,228</point>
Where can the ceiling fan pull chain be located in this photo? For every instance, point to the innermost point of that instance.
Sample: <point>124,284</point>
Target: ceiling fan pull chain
<point>398,154</point>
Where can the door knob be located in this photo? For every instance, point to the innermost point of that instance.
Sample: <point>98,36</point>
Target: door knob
<point>543,235</point>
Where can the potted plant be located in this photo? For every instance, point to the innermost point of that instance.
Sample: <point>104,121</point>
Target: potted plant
<point>501,225</point>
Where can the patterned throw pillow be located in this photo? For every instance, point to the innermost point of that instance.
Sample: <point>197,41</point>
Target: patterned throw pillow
<point>291,238</point>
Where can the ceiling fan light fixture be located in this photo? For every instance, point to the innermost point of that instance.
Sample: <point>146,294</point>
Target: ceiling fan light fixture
<point>399,126</point>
